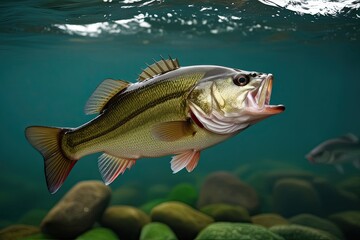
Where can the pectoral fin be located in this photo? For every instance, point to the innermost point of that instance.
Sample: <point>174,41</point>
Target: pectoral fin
<point>110,167</point>
<point>187,159</point>
<point>172,131</point>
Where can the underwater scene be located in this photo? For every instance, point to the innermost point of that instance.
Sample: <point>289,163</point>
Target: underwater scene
<point>153,100</point>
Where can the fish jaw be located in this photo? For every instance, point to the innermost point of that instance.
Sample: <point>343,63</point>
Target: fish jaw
<point>257,102</point>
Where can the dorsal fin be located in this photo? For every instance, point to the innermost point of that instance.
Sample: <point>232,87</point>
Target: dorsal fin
<point>159,67</point>
<point>350,137</point>
<point>103,93</point>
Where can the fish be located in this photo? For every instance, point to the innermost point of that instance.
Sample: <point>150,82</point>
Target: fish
<point>337,151</point>
<point>170,110</point>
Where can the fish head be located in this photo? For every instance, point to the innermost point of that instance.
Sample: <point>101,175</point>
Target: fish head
<point>229,102</point>
<point>319,156</point>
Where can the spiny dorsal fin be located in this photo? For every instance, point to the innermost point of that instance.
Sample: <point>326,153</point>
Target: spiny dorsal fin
<point>103,93</point>
<point>159,67</point>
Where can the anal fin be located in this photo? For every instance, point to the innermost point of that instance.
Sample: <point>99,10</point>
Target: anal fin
<point>187,159</point>
<point>110,167</point>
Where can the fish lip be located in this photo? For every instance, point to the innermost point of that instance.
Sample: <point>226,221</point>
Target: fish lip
<point>258,100</point>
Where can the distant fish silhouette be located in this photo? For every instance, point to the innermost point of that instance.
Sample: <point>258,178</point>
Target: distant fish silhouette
<point>337,151</point>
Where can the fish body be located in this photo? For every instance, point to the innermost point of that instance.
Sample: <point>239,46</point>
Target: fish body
<point>171,110</point>
<point>337,151</point>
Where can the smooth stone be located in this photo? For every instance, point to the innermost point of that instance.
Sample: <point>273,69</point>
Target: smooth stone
<point>226,213</point>
<point>298,232</point>
<point>185,193</point>
<point>157,231</point>
<point>238,231</point>
<point>223,187</point>
<point>185,221</point>
<point>77,211</point>
<point>33,217</point>
<point>268,220</point>
<point>316,222</point>
<point>18,231</point>
<point>294,196</point>
<point>125,221</point>
<point>98,234</point>
<point>147,207</point>
<point>349,223</point>
<point>335,199</point>
<point>351,184</point>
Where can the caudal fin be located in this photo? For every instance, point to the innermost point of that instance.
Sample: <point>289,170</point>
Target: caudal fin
<point>57,166</point>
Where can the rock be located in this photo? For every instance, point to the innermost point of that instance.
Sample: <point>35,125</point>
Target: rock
<point>335,199</point>
<point>348,222</point>
<point>15,232</point>
<point>33,217</point>
<point>223,187</point>
<point>77,211</point>
<point>238,231</point>
<point>147,207</point>
<point>294,196</point>
<point>351,184</point>
<point>157,191</point>
<point>268,220</point>
<point>38,236</point>
<point>272,177</point>
<point>125,221</point>
<point>98,234</point>
<point>126,195</point>
<point>313,221</point>
<point>185,221</point>
<point>157,231</point>
<point>185,193</point>
<point>226,213</point>
<point>297,232</point>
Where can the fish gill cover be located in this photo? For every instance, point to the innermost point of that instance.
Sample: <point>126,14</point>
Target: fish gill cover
<point>151,20</point>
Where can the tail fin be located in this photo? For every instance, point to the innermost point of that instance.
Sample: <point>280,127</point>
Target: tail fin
<point>57,166</point>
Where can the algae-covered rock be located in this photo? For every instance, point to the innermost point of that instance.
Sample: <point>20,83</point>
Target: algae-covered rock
<point>185,221</point>
<point>185,193</point>
<point>351,184</point>
<point>33,217</point>
<point>316,222</point>
<point>98,234</point>
<point>226,213</point>
<point>294,196</point>
<point>147,207</point>
<point>269,219</point>
<point>349,223</point>
<point>126,221</point>
<point>77,211</point>
<point>298,232</point>
<point>223,187</point>
<point>126,195</point>
<point>238,231</point>
<point>157,231</point>
<point>19,231</point>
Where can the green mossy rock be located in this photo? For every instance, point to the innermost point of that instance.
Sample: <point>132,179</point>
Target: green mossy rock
<point>238,231</point>
<point>15,232</point>
<point>294,196</point>
<point>226,213</point>
<point>125,221</point>
<point>33,217</point>
<point>185,221</point>
<point>349,223</point>
<point>185,193</point>
<point>298,232</point>
<point>98,234</point>
<point>351,184</point>
<point>268,220</point>
<point>313,221</point>
<point>147,207</point>
<point>157,231</point>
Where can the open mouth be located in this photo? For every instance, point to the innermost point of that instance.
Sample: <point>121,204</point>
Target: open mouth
<point>258,100</point>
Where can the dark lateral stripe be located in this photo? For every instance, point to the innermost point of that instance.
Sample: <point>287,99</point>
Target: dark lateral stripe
<point>130,116</point>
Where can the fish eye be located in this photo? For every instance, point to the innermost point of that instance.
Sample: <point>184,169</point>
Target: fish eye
<point>241,80</point>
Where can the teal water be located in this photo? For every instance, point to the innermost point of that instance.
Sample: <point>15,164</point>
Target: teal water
<point>55,53</point>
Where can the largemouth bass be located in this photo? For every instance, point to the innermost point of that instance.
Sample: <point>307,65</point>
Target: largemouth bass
<point>170,110</point>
